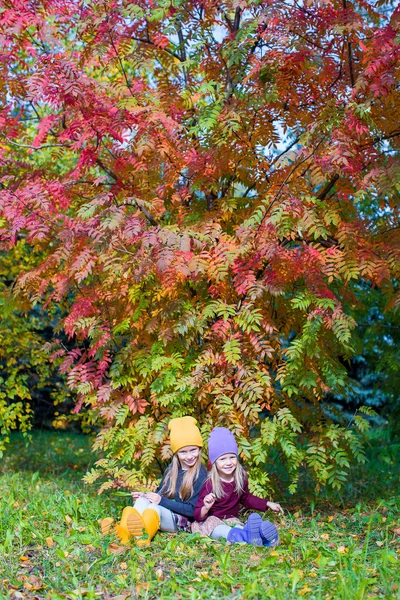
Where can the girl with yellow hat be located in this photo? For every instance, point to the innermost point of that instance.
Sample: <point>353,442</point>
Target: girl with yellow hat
<point>171,507</point>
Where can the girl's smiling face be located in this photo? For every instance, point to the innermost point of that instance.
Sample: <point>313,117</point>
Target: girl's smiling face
<point>188,456</point>
<point>226,465</point>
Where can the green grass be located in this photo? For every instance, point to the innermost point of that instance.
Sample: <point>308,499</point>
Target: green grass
<point>342,546</point>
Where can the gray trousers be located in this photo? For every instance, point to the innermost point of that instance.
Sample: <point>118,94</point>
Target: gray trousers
<point>167,521</point>
<point>221,531</point>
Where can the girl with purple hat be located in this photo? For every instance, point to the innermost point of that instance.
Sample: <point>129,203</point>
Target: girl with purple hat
<point>225,490</point>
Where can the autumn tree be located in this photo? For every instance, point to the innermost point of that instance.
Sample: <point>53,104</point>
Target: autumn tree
<point>205,181</point>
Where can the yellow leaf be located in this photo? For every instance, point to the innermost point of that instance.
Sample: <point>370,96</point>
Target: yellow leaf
<point>304,590</point>
<point>330,519</point>
<point>68,519</point>
<point>24,558</point>
<point>123,566</point>
<point>342,550</point>
<point>325,536</point>
<point>49,542</point>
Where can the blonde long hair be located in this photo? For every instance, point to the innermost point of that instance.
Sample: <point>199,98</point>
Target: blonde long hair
<point>216,481</point>
<point>171,478</point>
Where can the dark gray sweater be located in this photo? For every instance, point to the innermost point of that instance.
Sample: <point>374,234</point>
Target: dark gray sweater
<point>175,504</point>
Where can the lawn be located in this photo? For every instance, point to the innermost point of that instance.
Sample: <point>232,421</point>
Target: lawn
<point>344,545</point>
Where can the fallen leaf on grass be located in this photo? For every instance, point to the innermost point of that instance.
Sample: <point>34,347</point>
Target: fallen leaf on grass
<point>380,544</point>
<point>325,536</point>
<point>115,548</point>
<point>123,566</point>
<point>49,542</point>
<point>159,574</point>
<point>304,590</point>
<point>24,558</point>
<point>397,531</point>
<point>34,583</point>
<point>342,550</point>
<point>330,519</point>
<point>79,592</point>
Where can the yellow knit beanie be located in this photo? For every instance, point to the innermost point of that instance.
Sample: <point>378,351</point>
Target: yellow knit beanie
<point>184,432</point>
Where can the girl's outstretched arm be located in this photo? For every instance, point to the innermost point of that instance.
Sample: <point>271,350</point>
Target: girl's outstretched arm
<point>250,501</point>
<point>274,506</point>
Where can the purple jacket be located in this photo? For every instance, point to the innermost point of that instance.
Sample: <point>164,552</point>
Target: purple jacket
<point>228,506</point>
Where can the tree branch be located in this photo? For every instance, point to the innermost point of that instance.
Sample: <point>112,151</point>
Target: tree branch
<point>287,179</point>
<point>121,65</point>
<point>34,147</point>
<point>137,201</point>
<point>149,41</point>
<point>323,193</point>
<point>381,138</point>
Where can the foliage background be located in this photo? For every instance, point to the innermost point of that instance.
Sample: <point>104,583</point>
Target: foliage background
<point>198,265</point>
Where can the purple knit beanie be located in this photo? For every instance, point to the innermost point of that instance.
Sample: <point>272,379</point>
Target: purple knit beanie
<point>221,441</point>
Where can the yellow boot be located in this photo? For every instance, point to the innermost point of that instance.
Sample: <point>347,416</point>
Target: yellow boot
<point>123,534</point>
<point>134,523</point>
<point>151,521</point>
<point>128,510</point>
<point>122,529</point>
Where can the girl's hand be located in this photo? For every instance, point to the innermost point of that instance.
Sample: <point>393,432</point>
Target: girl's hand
<point>136,495</point>
<point>209,500</point>
<point>153,497</point>
<point>275,507</point>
